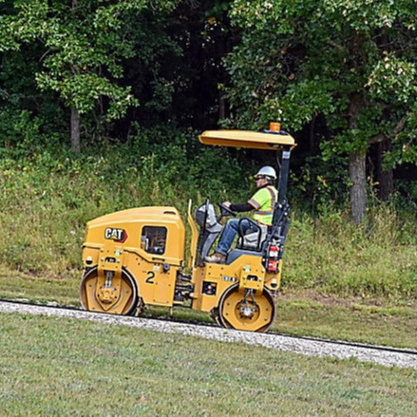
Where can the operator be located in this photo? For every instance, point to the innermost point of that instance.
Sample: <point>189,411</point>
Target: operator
<point>262,204</point>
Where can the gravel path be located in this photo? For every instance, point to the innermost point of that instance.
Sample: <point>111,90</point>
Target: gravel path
<point>301,346</point>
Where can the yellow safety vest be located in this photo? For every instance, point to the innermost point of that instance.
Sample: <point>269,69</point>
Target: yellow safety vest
<point>263,201</point>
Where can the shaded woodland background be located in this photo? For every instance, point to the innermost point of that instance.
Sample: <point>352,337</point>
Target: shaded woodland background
<point>140,79</point>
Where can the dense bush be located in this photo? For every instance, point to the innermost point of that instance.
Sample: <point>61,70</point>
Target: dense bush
<point>330,255</point>
<point>47,197</point>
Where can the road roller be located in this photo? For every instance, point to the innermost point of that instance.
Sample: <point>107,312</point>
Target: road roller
<point>136,258</point>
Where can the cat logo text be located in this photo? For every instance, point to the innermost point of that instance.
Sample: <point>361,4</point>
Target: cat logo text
<point>118,235</point>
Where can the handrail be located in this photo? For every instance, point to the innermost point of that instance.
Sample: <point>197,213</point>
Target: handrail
<point>194,237</point>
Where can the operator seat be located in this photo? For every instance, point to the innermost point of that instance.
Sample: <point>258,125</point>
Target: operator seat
<point>252,240</point>
<point>250,243</point>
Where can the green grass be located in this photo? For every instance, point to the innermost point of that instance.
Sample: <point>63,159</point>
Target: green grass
<point>17,285</point>
<point>46,200</point>
<point>333,257</point>
<point>350,320</point>
<point>303,314</point>
<point>52,366</point>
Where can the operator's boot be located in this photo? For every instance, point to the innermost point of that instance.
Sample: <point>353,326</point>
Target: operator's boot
<point>217,258</point>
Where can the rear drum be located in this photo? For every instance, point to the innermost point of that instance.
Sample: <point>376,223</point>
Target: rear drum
<point>109,292</point>
<point>246,309</point>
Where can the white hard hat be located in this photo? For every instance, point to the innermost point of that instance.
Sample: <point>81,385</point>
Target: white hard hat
<point>267,172</point>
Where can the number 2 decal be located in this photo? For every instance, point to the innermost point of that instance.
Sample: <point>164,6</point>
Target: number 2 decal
<point>151,276</point>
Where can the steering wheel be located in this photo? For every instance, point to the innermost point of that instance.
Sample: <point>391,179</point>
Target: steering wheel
<point>225,211</point>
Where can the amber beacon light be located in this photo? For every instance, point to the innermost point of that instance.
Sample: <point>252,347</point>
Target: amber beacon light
<point>275,126</point>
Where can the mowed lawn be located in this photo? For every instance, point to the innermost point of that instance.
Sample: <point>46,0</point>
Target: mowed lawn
<point>60,367</point>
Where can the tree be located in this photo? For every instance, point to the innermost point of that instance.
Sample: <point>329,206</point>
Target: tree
<point>84,44</point>
<point>185,88</point>
<point>350,61</point>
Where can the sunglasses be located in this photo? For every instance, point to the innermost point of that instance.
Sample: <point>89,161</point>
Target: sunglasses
<point>259,178</point>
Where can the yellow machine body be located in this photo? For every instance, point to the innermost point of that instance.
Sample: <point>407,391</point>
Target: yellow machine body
<point>133,258</point>
<point>247,271</point>
<point>146,243</point>
<point>212,281</point>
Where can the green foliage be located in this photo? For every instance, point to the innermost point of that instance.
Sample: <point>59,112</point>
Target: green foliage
<point>349,62</point>
<point>320,186</point>
<point>378,259</point>
<point>18,130</point>
<point>166,156</point>
<point>403,148</point>
<point>308,57</point>
<point>405,199</point>
<point>48,196</point>
<point>347,65</point>
<point>84,46</point>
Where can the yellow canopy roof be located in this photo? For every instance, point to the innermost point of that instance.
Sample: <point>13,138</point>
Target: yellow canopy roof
<point>246,139</point>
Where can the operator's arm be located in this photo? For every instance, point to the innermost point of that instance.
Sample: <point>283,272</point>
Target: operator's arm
<point>239,207</point>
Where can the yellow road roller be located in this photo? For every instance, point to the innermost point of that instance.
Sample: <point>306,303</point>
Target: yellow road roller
<point>136,258</point>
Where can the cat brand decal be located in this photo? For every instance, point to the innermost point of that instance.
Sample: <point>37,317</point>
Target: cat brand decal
<point>118,235</point>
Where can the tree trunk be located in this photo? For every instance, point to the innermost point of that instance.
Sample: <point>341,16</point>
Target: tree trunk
<point>358,195</point>
<point>357,164</point>
<point>222,106</point>
<point>312,133</point>
<point>384,176</point>
<point>75,131</point>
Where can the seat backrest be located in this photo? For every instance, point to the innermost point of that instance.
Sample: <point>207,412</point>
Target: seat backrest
<point>252,241</point>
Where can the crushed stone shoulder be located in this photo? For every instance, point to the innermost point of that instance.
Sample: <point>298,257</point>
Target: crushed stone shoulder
<point>273,341</point>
